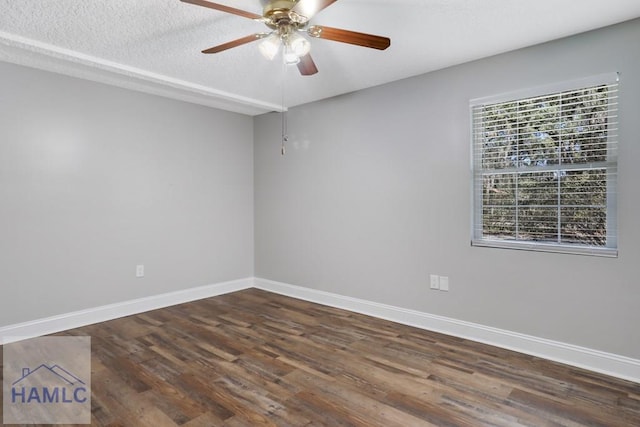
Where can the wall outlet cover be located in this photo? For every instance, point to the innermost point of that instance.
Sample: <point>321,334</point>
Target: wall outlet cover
<point>444,283</point>
<point>434,281</point>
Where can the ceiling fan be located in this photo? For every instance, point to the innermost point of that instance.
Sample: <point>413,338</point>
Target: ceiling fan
<point>286,19</point>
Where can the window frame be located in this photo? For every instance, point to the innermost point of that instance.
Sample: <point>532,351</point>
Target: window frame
<point>611,165</point>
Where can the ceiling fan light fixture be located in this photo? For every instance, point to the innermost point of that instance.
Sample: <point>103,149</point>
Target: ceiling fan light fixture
<point>299,45</point>
<point>270,46</point>
<point>289,56</point>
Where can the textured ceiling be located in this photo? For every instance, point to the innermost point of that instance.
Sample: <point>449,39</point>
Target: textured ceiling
<point>154,45</point>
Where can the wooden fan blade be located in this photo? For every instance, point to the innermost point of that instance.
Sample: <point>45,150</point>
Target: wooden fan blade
<point>224,8</point>
<point>306,66</point>
<point>234,43</point>
<point>307,8</point>
<point>351,37</point>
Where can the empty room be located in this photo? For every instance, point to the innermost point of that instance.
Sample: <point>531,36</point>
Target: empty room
<point>320,212</point>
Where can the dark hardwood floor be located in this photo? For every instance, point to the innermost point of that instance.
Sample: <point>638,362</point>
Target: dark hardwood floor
<point>254,358</point>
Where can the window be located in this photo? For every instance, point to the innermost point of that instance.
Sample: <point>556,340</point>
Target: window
<point>545,168</point>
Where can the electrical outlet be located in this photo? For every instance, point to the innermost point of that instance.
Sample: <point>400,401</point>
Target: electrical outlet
<point>140,270</point>
<point>444,283</point>
<point>435,281</point>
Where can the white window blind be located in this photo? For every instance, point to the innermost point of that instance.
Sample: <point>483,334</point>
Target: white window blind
<point>545,168</point>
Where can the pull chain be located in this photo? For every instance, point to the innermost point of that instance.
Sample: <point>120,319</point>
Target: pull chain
<point>285,137</point>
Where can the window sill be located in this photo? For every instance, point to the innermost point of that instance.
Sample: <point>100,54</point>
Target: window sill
<point>547,247</point>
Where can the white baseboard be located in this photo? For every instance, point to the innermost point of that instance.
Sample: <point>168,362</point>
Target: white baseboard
<point>594,360</point>
<point>103,313</point>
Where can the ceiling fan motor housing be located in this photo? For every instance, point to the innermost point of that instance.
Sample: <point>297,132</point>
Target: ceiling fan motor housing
<point>278,14</point>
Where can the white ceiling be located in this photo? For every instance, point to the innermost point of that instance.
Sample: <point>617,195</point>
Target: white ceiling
<point>154,45</point>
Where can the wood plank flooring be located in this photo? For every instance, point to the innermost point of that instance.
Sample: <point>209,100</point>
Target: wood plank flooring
<point>253,358</point>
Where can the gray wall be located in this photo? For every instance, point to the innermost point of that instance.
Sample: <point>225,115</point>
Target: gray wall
<point>374,194</point>
<point>95,179</point>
